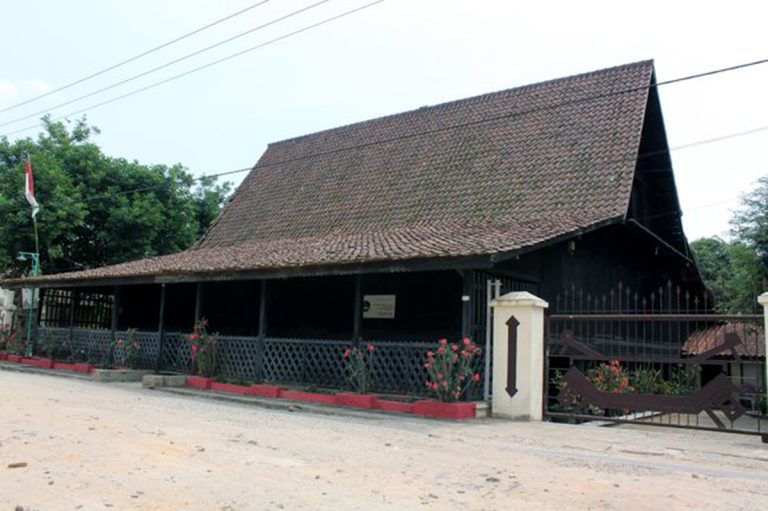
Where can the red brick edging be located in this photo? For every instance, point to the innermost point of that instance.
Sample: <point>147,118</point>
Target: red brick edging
<point>424,408</point>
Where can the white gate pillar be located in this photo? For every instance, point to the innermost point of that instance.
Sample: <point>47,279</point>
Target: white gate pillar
<point>518,356</point>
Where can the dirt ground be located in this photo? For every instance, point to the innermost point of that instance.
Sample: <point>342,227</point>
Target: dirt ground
<point>100,446</point>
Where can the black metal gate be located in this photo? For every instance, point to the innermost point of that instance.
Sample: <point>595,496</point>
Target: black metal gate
<point>675,370</point>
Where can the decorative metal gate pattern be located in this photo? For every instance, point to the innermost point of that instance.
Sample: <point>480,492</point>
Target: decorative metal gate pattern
<point>661,369</point>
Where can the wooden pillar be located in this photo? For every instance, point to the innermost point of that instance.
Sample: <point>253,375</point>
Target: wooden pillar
<point>198,301</point>
<point>72,301</point>
<point>263,297</point>
<point>161,329</point>
<point>466,303</point>
<point>113,325</point>
<point>115,310</point>
<point>357,310</point>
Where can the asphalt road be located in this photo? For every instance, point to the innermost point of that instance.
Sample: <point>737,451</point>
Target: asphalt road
<point>90,446</point>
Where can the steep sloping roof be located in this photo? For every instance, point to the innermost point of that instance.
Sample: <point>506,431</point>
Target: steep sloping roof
<point>479,176</point>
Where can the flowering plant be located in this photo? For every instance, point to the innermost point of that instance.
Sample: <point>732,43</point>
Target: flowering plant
<point>610,378</point>
<point>204,349</point>
<point>451,369</point>
<point>6,337</point>
<point>130,348</point>
<point>359,367</point>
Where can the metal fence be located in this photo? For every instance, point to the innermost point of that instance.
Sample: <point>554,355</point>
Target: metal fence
<point>665,369</point>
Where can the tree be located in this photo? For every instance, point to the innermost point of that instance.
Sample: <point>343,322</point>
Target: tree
<point>737,271</point>
<point>731,271</point>
<point>96,209</point>
<point>750,223</point>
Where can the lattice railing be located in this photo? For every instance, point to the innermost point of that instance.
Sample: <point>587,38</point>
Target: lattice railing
<point>177,353</point>
<point>397,366</point>
<point>91,345</point>
<point>149,344</point>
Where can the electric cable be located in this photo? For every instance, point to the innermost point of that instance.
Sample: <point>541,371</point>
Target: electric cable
<point>135,57</point>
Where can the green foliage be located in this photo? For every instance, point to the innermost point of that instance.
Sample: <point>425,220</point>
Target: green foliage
<point>750,223</point>
<point>683,381</point>
<point>731,270</point>
<point>129,349</point>
<point>737,271</point>
<point>451,369</point>
<point>359,364</point>
<point>205,350</point>
<point>86,218</point>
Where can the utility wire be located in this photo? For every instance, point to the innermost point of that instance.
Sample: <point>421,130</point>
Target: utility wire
<point>204,66</point>
<point>349,148</point>
<point>135,57</point>
<point>167,64</point>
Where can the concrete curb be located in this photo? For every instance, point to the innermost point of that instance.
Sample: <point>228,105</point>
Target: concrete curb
<point>22,368</point>
<point>290,406</point>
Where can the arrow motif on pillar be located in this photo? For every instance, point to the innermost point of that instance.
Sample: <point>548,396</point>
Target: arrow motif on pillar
<point>512,324</point>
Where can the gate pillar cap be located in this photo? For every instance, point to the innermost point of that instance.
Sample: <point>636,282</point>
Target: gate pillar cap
<point>763,299</point>
<point>519,299</point>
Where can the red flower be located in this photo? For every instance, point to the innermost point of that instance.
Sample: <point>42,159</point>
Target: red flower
<point>444,341</point>
<point>426,366</point>
<point>346,353</point>
<point>439,376</point>
<point>476,377</point>
<point>434,386</point>
<point>371,348</point>
<point>441,350</point>
<point>454,347</point>
<point>430,354</point>
<point>466,341</point>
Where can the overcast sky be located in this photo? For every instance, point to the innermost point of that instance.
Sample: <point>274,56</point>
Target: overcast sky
<point>394,56</point>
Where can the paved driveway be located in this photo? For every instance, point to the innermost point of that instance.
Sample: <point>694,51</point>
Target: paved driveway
<point>107,446</point>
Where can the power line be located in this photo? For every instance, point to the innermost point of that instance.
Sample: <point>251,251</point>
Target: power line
<point>136,57</point>
<point>167,64</point>
<point>204,66</point>
<point>349,148</point>
<point>470,123</point>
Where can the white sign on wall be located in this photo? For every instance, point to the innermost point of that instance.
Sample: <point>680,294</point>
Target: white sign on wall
<point>379,306</point>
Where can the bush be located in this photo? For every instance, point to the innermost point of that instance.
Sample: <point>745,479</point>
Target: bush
<point>359,367</point>
<point>451,369</point>
<point>204,350</point>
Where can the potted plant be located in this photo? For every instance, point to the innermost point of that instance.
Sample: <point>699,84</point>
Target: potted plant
<point>451,371</point>
<point>204,355</point>
<point>129,350</point>
<point>358,364</point>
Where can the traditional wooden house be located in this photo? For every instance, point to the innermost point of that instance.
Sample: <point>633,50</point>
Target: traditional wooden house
<point>390,230</point>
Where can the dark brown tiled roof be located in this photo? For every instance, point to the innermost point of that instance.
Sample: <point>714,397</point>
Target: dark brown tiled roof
<point>752,338</point>
<point>482,175</point>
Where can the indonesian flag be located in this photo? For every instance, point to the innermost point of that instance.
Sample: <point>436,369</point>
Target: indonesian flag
<point>29,189</point>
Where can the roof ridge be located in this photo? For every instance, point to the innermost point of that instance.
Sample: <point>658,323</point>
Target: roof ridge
<point>463,101</point>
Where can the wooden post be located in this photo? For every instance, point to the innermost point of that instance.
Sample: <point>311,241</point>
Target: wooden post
<point>357,310</point>
<point>263,309</point>
<point>115,314</point>
<point>72,300</point>
<point>161,329</point>
<point>466,304</point>
<point>198,301</point>
<point>263,297</point>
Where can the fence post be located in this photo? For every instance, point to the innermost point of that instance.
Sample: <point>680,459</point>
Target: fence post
<point>763,300</point>
<point>161,330</point>
<point>518,356</point>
